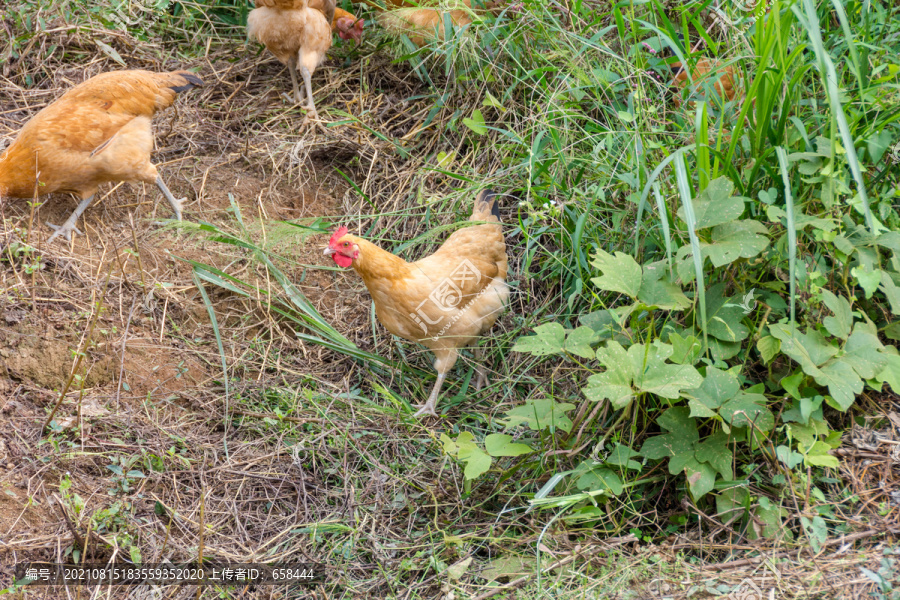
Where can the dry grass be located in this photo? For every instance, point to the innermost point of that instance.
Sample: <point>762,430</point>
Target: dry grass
<point>306,459</point>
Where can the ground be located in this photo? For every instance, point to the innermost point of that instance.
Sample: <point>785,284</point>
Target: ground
<point>297,455</point>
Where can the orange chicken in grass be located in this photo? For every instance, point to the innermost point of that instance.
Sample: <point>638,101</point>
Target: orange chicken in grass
<point>297,34</point>
<point>721,76</point>
<point>444,301</point>
<point>97,132</point>
<point>423,24</point>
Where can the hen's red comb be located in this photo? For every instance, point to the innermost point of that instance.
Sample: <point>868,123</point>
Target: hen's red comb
<point>337,235</point>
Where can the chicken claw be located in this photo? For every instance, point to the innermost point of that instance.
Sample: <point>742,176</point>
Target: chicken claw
<point>426,409</point>
<point>64,230</point>
<point>176,203</point>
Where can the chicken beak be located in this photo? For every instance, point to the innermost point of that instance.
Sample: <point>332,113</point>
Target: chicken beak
<point>329,251</point>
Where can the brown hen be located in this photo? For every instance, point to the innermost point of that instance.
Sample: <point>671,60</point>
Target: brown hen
<point>97,132</point>
<point>444,301</point>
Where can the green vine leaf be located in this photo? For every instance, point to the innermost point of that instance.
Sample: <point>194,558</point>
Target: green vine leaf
<point>548,339</point>
<point>501,444</point>
<point>538,414</point>
<point>620,273</point>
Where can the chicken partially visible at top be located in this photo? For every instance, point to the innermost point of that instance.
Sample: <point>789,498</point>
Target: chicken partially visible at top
<point>444,301</point>
<point>297,34</point>
<point>97,132</point>
<point>707,72</point>
<point>423,24</point>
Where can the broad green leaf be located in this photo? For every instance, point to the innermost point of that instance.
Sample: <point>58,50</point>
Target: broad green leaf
<point>621,456</point>
<point>657,290</point>
<point>792,382</point>
<point>842,382</point>
<point>476,123</point>
<point>863,351</point>
<point>501,444</point>
<point>466,450</point>
<point>456,571</point>
<point>891,291</point>
<point>549,339</point>
<point>679,439</point>
<point>788,457</point>
<point>599,478</point>
<point>699,409</point>
<point>540,414</point>
<point>477,464</point>
<point>685,350</point>
<point>723,321</point>
<point>738,239</point>
<point>579,340</point>
<point>745,409</point>
<point>620,274</point>
<point>603,322</point>
<point>717,388</point>
<point>868,280</point>
<point>615,383</point>
<point>891,371</point>
<point>701,478</point>
<point>508,566</point>
<point>810,349</point>
<point>768,347</point>
<point>652,374</point>
<point>714,450</point>
<point>716,205</point>
<point>838,325</point>
<point>818,456</point>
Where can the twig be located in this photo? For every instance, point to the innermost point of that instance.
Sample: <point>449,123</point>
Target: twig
<point>81,352</point>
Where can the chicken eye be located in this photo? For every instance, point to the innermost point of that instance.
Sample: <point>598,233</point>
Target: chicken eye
<point>346,244</point>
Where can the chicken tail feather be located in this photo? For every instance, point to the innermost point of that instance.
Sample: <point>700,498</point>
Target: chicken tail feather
<point>184,81</point>
<point>486,208</point>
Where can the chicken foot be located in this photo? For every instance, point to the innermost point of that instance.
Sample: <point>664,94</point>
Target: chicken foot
<point>68,227</point>
<point>177,203</point>
<point>431,404</point>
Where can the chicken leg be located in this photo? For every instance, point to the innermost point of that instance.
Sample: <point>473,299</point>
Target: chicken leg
<point>68,227</point>
<point>177,203</point>
<point>292,67</point>
<point>307,80</point>
<point>443,362</point>
<point>480,370</point>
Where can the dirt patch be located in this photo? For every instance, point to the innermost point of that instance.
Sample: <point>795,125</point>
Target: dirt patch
<point>40,351</point>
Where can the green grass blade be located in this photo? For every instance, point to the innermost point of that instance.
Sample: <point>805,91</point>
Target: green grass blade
<point>215,325</point>
<point>684,190</point>
<point>830,79</point>
<point>791,229</point>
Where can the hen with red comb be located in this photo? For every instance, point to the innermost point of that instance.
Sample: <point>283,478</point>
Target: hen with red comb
<point>444,301</point>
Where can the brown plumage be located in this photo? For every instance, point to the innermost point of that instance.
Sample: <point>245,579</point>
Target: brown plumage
<point>97,132</point>
<point>425,24</point>
<point>720,76</point>
<point>444,301</point>
<point>298,36</point>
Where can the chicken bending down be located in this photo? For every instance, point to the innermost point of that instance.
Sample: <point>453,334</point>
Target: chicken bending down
<point>297,35</point>
<point>720,76</point>
<point>444,301</point>
<point>425,24</point>
<point>97,132</point>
